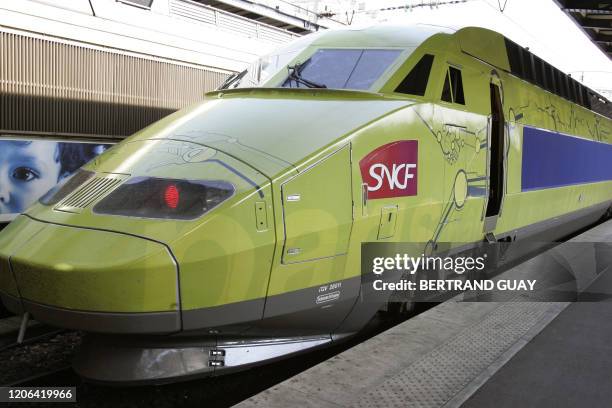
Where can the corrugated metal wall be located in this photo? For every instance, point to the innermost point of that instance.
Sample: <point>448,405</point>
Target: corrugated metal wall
<point>47,85</point>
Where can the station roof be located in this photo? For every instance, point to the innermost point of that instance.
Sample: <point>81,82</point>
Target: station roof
<point>277,13</point>
<point>595,19</point>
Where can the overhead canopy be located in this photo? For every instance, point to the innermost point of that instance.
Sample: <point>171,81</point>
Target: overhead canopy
<point>281,14</point>
<point>595,19</point>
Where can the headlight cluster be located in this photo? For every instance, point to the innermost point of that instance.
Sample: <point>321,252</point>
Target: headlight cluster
<point>150,197</point>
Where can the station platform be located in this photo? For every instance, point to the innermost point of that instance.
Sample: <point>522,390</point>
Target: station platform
<point>480,354</point>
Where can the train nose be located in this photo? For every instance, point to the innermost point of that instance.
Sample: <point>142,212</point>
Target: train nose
<point>91,280</point>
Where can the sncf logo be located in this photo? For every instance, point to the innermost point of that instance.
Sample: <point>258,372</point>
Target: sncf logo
<point>391,170</point>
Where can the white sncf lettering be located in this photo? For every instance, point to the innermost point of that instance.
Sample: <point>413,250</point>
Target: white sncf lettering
<point>394,177</point>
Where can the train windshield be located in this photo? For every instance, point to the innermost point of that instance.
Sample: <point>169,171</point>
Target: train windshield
<point>336,68</point>
<point>267,66</point>
<point>341,69</point>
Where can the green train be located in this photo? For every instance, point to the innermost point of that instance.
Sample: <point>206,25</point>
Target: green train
<point>228,234</point>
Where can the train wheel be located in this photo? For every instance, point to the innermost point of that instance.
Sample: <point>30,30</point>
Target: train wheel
<point>397,309</point>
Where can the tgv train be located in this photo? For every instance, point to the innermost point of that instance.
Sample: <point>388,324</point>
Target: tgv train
<point>228,234</point>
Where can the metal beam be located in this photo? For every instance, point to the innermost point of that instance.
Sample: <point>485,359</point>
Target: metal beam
<point>586,4</point>
<point>591,27</point>
<point>602,37</point>
<point>307,20</point>
<point>594,22</point>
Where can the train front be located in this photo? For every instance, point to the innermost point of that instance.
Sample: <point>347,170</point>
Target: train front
<point>148,239</point>
<point>162,248</point>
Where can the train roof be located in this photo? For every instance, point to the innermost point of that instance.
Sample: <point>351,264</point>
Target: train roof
<point>501,52</point>
<point>380,35</point>
<point>484,44</point>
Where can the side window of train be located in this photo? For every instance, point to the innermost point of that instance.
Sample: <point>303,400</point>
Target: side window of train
<point>453,87</point>
<point>415,82</point>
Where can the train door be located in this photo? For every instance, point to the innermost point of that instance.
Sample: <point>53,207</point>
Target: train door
<point>318,210</point>
<point>496,161</point>
<point>460,126</point>
<point>309,291</point>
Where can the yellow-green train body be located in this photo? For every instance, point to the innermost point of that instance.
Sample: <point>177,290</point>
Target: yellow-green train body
<point>437,137</point>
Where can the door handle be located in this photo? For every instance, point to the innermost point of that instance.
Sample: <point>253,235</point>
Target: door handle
<point>364,198</point>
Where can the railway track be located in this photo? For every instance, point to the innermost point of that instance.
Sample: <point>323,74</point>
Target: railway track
<point>33,334</point>
<point>41,357</point>
<point>62,376</point>
<point>40,344</point>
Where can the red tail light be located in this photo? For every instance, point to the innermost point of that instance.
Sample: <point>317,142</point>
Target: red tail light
<point>172,196</point>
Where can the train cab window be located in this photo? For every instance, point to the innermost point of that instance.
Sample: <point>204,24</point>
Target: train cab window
<point>550,78</point>
<point>558,87</point>
<point>514,57</point>
<point>453,87</point>
<point>446,92</point>
<point>539,71</point>
<point>585,97</point>
<point>528,73</point>
<point>565,84</point>
<point>341,69</point>
<point>571,89</point>
<point>578,93</point>
<point>415,82</point>
<point>575,92</point>
<point>562,84</point>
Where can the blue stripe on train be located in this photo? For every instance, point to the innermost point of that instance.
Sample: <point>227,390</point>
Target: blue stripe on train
<point>554,160</point>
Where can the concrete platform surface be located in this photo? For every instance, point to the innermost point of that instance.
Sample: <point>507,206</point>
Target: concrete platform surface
<point>568,364</point>
<point>456,353</point>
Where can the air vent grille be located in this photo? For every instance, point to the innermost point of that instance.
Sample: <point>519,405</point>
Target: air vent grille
<point>89,192</point>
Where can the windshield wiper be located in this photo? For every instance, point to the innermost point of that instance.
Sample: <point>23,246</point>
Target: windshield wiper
<point>295,74</point>
<point>232,79</point>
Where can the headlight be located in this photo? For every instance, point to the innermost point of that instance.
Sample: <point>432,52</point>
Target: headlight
<point>65,187</point>
<point>150,197</point>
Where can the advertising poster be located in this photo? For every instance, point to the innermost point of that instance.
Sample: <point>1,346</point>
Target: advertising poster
<point>31,167</point>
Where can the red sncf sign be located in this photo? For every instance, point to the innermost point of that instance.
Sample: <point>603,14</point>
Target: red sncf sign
<point>391,170</point>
